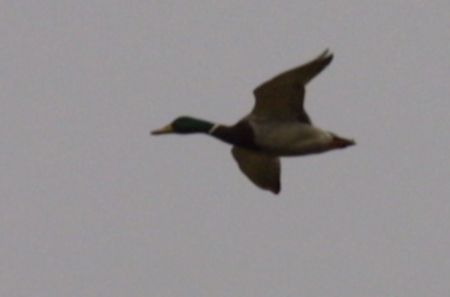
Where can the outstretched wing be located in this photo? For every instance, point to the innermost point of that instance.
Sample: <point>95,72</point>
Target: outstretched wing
<point>263,170</point>
<point>282,97</point>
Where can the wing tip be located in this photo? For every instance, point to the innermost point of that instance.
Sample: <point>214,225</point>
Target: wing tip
<point>276,190</point>
<point>326,55</point>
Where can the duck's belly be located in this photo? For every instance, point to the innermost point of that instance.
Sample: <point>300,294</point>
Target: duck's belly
<point>290,138</point>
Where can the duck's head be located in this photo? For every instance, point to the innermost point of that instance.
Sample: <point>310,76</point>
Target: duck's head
<point>340,142</point>
<point>185,125</point>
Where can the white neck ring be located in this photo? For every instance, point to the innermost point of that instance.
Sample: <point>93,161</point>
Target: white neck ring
<point>213,128</point>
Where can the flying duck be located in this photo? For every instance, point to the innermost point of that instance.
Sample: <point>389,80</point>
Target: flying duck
<point>278,126</point>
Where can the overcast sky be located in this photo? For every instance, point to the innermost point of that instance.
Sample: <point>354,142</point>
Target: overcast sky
<point>92,205</point>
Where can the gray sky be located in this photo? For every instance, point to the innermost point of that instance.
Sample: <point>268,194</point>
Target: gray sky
<point>91,205</point>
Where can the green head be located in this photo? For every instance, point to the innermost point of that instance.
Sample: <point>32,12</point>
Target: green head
<point>185,125</point>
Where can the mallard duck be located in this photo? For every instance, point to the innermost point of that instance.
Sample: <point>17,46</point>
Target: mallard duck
<point>277,126</point>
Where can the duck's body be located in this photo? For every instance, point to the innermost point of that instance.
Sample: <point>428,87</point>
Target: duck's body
<point>278,126</point>
<point>283,139</point>
<point>289,138</point>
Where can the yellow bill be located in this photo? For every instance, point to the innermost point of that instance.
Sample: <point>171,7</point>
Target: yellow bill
<point>163,130</point>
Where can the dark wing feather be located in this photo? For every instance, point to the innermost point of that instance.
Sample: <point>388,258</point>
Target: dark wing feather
<point>282,97</point>
<point>263,170</point>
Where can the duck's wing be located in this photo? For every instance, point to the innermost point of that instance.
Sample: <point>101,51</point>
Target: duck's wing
<point>263,170</point>
<point>282,97</point>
